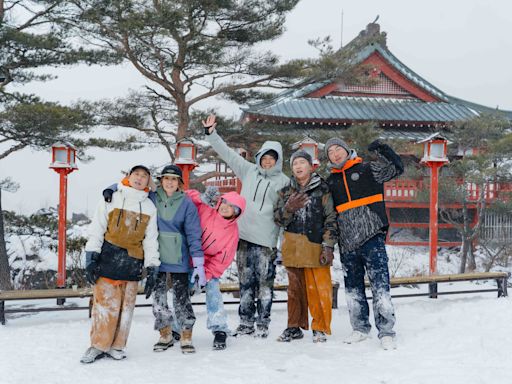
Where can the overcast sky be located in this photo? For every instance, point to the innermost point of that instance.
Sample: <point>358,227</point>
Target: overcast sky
<point>464,47</point>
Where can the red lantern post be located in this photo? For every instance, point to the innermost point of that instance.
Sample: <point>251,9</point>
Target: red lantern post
<point>186,158</point>
<point>63,162</point>
<point>434,156</point>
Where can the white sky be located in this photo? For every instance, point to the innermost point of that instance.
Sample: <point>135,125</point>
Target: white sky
<point>461,46</point>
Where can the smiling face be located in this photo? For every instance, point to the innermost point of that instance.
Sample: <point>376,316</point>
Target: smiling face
<point>170,184</point>
<point>267,161</point>
<point>337,154</point>
<point>226,210</point>
<point>301,169</point>
<point>139,179</point>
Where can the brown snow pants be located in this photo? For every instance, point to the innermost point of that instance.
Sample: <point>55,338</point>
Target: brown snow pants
<point>310,287</point>
<point>112,313</point>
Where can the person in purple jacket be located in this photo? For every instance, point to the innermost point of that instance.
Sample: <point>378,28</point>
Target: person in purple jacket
<point>181,257</point>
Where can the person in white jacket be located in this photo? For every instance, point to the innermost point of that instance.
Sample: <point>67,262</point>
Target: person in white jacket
<point>122,241</point>
<point>258,231</point>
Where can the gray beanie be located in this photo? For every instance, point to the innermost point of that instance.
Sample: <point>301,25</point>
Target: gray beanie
<point>301,153</point>
<point>336,141</point>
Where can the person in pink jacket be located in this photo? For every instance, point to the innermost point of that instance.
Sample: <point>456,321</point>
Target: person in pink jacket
<point>218,215</point>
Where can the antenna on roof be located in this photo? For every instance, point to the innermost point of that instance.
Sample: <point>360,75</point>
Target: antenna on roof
<point>341,40</point>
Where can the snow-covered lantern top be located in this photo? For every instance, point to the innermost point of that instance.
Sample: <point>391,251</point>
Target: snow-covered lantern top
<point>435,149</point>
<point>311,147</point>
<point>63,156</point>
<point>186,151</point>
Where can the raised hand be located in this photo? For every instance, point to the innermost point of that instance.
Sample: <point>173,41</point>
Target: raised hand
<point>210,124</point>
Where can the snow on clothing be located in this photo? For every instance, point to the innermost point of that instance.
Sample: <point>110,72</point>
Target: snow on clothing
<point>371,257</point>
<point>256,273</point>
<point>179,231</point>
<point>357,189</point>
<point>112,313</point>
<point>309,227</point>
<point>124,232</point>
<point>305,231</point>
<point>219,235</point>
<point>259,188</point>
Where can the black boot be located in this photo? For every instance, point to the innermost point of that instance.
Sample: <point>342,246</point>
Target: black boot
<point>289,334</point>
<point>219,342</point>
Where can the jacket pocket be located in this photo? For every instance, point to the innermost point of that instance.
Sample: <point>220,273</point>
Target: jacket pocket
<point>170,247</point>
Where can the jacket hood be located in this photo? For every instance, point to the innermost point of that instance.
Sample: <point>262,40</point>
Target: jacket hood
<point>268,146</point>
<point>233,198</point>
<point>131,193</point>
<point>351,156</point>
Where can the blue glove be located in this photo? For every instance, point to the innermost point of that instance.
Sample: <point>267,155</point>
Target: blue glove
<point>92,268</point>
<point>152,275</point>
<point>210,196</point>
<point>198,272</point>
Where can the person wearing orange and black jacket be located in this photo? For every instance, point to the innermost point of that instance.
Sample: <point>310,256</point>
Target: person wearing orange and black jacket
<point>357,189</point>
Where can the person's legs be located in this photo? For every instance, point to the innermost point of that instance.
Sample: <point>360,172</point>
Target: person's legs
<point>129,296</point>
<point>297,299</point>
<point>217,320</point>
<point>265,272</point>
<point>376,263</point>
<point>181,299</point>
<point>355,294</point>
<point>319,293</point>
<point>247,281</point>
<point>105,314</point>
<point>161,312</point>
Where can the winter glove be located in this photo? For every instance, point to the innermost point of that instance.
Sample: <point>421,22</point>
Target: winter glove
<point>209,125</point>
<point>387,152</point>
<point>151,276</point>
<point>296,201</point>
<point>198,272</point>
<point>92,268</point>
<point>107,195</point>
<point>375,145</point>
<point>210,196</point>
<point>327,256</point>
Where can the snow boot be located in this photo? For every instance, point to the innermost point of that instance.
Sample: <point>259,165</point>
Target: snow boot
<point>356,337</point>
<point>261,331</point>
<point>117,354</point>
<point>289,334</point>
<point>165,341</point>
<point>186,341</point>
<point>387,343</point>
<point>91,355</point>
<point>319,337</point>
<point>219,341</point>
<point>244,330</point>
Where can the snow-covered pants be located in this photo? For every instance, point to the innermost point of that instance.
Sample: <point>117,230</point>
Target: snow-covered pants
<point>182,307</point>
<point>112,313</point>
<point>310,287</point>
<point>217,320</point>
<point>256,272</point>
<point>372,257</point>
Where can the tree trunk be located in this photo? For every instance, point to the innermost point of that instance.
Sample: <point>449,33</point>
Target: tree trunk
<point>183,119</point>
<point>463,255</point>
<point>5,271</point>
<point>466,238</point>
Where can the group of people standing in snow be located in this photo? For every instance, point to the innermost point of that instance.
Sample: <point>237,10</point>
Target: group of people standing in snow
<point>186,240</point>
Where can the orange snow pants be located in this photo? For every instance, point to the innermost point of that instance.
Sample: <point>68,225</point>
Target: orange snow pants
<point>112,312</point>
<point>310,288</point>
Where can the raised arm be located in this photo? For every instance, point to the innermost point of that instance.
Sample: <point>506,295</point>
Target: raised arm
<point>388,166</point>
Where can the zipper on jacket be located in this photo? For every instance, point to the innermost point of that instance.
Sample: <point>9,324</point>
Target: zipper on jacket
<point>257,186</point>
<point>263,201</point>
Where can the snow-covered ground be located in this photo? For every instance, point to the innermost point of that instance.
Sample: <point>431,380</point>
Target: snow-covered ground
<point>456,340</point>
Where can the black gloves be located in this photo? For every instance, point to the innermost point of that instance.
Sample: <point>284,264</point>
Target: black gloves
<point>152,275</point>
<point>92,268</point>
<point>296,201</point>
<point>107,195</point>
<point>327,256</point>
<point>387,152</point>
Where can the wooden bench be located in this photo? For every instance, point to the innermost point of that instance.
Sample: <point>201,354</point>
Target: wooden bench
<point>433,281</point>
<point>65,293</point>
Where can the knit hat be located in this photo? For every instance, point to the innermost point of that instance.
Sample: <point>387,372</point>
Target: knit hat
<point>144,168</point>
<point>172,171</point>
<point>301,153</point>
<point>335,141</point>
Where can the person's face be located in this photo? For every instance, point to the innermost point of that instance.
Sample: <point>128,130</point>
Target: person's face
<point>139,179</point>
<point>301,168</point>
<point>336,154</point>
<point>267,162</point>
<point>170,184</point>
<point>226,210</point>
